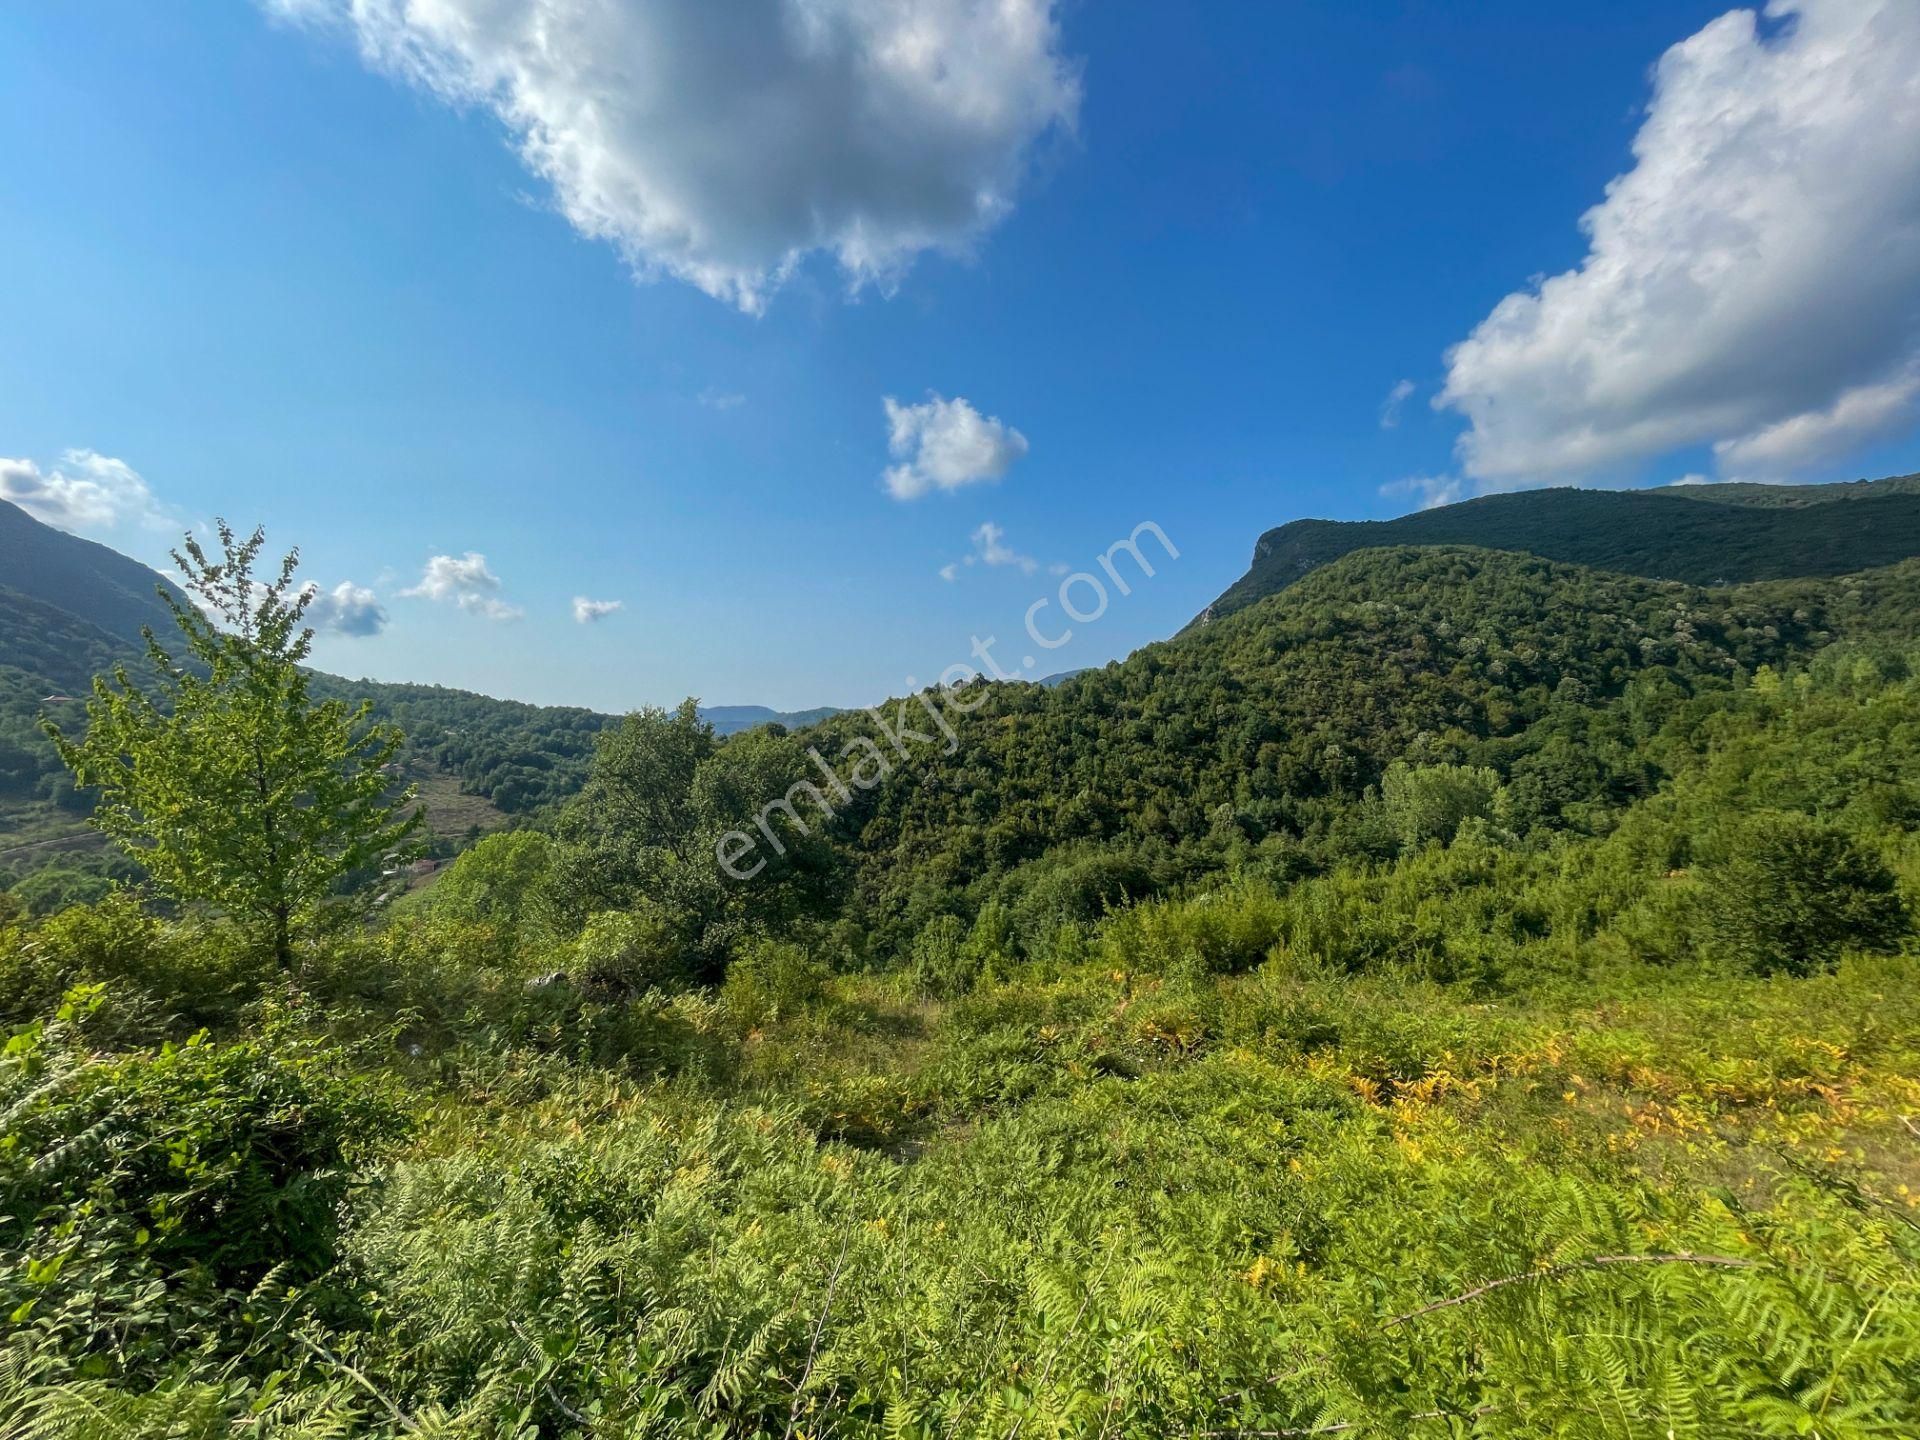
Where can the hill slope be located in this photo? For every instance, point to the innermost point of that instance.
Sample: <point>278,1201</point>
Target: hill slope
<point>1704,535</point>
<point>87,580</point>
<point>1254,740</point>
<point>70,608</point>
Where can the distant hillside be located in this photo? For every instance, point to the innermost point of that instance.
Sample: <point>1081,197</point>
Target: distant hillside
<point>70,609</point>
<point>732,719</point>
<point>1703,535</point>
<point>95,584</point>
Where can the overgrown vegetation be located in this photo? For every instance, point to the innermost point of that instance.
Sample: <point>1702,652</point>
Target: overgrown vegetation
<point>1462,995</point>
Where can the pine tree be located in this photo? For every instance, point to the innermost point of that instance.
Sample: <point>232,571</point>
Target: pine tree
<point>226,781</point>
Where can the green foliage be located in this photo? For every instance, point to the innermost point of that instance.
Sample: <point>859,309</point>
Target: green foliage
<point>771,980</point>
<point>1323,1025</point>
<point>499,882</point>
<point>150,1197</point>
<point>1432,802</point>
<point>1252,743</point>
<point>195,973</point>
<point>1793,893</point>
<point>646,827</point>
<point>629,952</point>
<point>227,783</point>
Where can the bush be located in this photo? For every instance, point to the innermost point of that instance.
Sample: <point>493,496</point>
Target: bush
<point>1071,889</point>
<point>498,882</point>
<point>770,980</point>
<point>142,1192</point>
<point>1228,931</point>
<point>628,952</point>
<point>1431,802</point>
<point>200,972</point>
<point>939,957</point>
<point>1794,892</point>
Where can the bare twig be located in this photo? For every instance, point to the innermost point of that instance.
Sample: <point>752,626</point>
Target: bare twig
<point>1554,1272</point>
<point>365,1384</point>
<point>813,1349</point>
<point>562,1406</point>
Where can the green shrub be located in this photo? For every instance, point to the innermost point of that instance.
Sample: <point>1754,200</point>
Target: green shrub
<point>1070,889</point>
<point>628,952</point>
<point>499,883</point>
<point>939,958</point>
<point>144,1195</point>
<point>1431,802</point>
<point>1793,893</point>
<point>1219,933</point>
<point>770,980</point>
<point>200,972</point>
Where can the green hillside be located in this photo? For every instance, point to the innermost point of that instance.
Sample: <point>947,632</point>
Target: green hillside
<point>1461,994</point>
<point>87,580</point>
<point>1702,534</point>
<point>71,609</point>
<point>1252,742</point>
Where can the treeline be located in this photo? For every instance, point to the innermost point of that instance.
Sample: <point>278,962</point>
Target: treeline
<point>522,758</point>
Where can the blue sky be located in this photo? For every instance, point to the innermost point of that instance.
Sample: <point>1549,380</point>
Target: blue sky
<point>297,266</point>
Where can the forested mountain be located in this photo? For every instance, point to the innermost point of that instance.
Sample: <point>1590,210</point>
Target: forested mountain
<point>1703,534</point>
<point>1254,741</point>
<point>87,580</point>
<point>1463,993</point>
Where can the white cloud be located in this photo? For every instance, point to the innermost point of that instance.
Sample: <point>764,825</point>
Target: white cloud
<point>1433,490</point>
<point>1753,280</point>
<point>715,399</point>
<point>468,583</point>
<point>347,609</point>
<point>944,444</point>
<point>586,612</point>
<point>86,493</point>
<point>1860,415</point>
<point>990,546</point>
<point>1390,407</point>
<point>722,141</point>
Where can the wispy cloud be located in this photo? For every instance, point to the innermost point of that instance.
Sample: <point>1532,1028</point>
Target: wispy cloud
<point>588,612</point>
<point>1397,398</point>
<point>1433,490</point>
<point>468,583</point>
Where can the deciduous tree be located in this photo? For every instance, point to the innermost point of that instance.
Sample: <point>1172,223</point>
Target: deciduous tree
<point>228,783</point>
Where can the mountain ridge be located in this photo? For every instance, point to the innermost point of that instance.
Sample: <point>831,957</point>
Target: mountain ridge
<point>1699,534</point>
